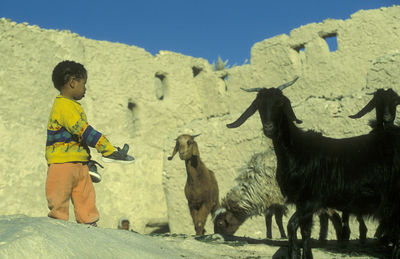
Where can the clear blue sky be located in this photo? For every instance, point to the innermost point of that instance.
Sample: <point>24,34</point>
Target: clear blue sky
<point>206,28</point>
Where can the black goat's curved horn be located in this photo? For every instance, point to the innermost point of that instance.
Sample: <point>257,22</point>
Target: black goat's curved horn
<point>193,136</point>
<point>247,113</point>
<point>283,86</point>
<point>251,89</point>
<point>367,108</point>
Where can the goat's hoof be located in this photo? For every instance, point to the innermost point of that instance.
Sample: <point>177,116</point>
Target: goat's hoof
<point>294,254</point>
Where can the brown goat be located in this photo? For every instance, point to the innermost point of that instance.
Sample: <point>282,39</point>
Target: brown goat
<point>201,189</point>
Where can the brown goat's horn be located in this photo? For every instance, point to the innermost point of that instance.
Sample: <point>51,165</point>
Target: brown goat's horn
<point>283,86</point>
<point>193,136</point>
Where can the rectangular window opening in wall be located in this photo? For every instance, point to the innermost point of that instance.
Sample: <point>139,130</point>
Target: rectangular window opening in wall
<point>224,77</point>
<point>160,85</point>
<point>299,48</point>
<point>331,40</point>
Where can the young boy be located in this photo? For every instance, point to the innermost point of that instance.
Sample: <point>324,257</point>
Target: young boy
<point>69,137</point>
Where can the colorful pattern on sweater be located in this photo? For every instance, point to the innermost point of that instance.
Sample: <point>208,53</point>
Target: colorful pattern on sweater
<point>69,135</point>
<point>90,136</point>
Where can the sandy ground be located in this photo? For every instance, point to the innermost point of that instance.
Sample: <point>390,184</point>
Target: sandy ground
<point>41,237</point>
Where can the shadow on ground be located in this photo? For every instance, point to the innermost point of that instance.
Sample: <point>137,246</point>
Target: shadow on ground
<point>371,248</point>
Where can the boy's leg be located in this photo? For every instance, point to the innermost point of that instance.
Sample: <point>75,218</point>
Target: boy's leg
<point>59,184</point>
<point>83,198</point>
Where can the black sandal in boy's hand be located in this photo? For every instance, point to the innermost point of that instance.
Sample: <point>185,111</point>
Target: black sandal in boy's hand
<point>120,156</point>
<point>94,174</point>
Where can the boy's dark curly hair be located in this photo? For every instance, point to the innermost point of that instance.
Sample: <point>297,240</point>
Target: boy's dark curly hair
<point>66,69</point>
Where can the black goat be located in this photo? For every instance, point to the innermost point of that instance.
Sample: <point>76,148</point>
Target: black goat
<point>385,103</point>
<point>358,175</point>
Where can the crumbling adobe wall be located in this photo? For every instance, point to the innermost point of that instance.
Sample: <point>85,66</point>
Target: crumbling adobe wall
<point>147,101</point>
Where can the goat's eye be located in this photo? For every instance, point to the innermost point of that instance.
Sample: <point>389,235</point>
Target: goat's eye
<point>189,142</point>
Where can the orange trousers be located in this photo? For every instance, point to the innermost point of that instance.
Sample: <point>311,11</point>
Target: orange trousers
<point>71,181</point>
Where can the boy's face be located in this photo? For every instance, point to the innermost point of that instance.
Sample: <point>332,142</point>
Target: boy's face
<point>125,225</point>
<point>78,88</point>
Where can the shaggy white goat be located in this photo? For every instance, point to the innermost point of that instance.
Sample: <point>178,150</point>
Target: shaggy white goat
<point>257,193</point>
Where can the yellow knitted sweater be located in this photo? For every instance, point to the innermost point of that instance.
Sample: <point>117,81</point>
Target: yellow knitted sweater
<point>69,135</point>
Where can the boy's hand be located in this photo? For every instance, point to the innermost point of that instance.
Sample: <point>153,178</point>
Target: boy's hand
<point>120,156</point>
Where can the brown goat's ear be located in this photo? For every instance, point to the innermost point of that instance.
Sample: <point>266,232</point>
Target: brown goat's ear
<point>287,107</point>
<point>175,150</point>
<point>367,108</point>
<point>195,149</point>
